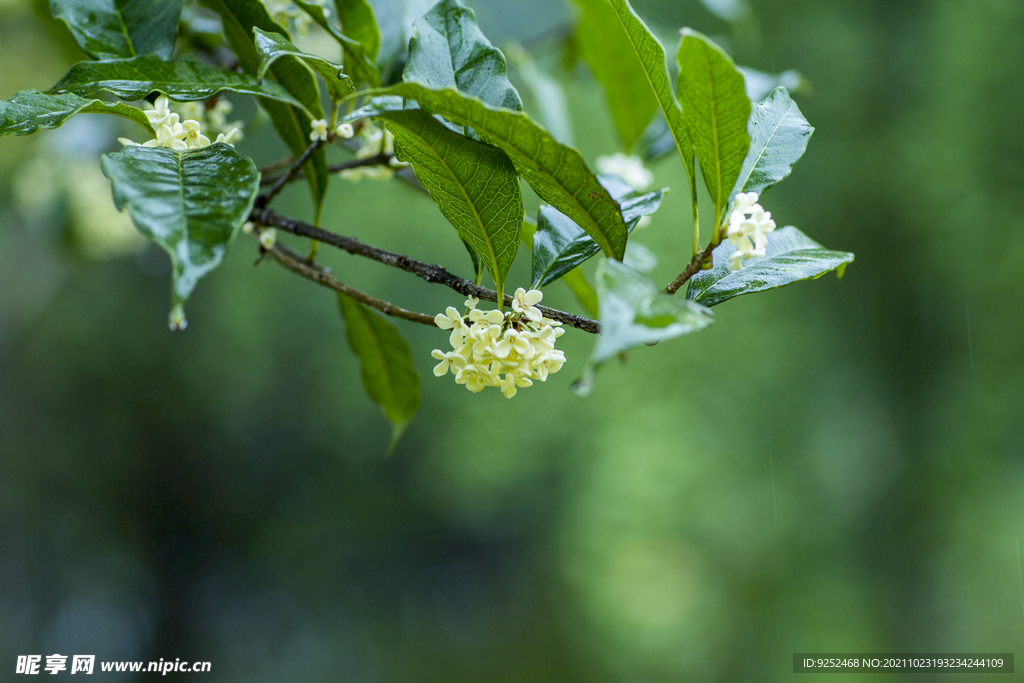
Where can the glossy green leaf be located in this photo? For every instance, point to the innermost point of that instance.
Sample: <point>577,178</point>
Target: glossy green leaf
<point>611,55</point>
<point>790,256</point>
<point>559,245</point>
<point>113,29</point>
<point>715,100</point>
<point>478,265</point>
<point>475,185</point>
<point>358,62</point>
<point>778,137</point>
<point>359,23</point>
<point>273,46</point>
<point>634,311</point>
<point>556,173</point>
<point>447,50</point>
<point>649,52</point>
<point>575,279</point>
<point>190,203</point>
<point>30,110</point>
<point>184,80</point>
<point>389,377</point>
<point>292,123</point>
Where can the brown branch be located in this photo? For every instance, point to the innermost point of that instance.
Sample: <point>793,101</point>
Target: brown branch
<point>265,199</point>
<point>311,271</point>
<point>425,271</point>
<point>692,268</point>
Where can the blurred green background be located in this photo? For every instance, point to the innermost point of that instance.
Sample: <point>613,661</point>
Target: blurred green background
<point>834,466</point>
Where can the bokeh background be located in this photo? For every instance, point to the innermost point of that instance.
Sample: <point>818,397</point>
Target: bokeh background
<point>834,466</point>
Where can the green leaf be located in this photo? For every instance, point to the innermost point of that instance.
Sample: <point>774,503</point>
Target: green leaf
<point>778,137</point>
<point>649,52</point>
<point>635,311</point>
<point>478,265</point>
<point>575,279</point>
<point>30,110</point>
<point>557,173</point>
<point>291,123</point>
<point>789,257</point>
<point>183,80</point>
<point>112,29</point>
<point>447,50</point>
<point>273,46</point>
<point>559,245</point>
<point>715,100</point>
<point>190,203</point>
<point>475,186</point>
<point>357,60</point>
<point>388,373</point>
<point>359,23</point>
<point>611,55</point>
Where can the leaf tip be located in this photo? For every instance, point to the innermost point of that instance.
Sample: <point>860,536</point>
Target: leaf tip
<point>397,429</point>
<point>176,320</point>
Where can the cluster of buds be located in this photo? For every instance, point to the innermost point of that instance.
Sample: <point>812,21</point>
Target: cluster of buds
<point>507,350</point>
<point>213,119</point>
<point>373,141</point>
<point>318,130</point>
<point>748,228</point>
<point>176,134</point>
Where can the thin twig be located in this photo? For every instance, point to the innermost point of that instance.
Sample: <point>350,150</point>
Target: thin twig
<point>426,271</point>
<point>265,199</point>
<point>375,160</point>
<point>311,271</point>
<point>692,268</point>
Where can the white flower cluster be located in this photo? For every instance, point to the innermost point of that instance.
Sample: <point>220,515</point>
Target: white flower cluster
<point>749,225</point>
<point>174,133</point>
<point>213,119</point>
<point>494,349</point>
<point>372,141</point>
<point>318,130</point>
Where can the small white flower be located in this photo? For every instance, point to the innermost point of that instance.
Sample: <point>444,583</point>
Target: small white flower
<point>319,130</point>
<point>629,168</point>
<point>526,303</point>
<point>232,136</point>
<point>344,131</point>
<point>452,321</point>
<point>748,228</point>
<point>194,137</point>
<point>268,238</point>
<point>160,112</point>
<point>248,227</point>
